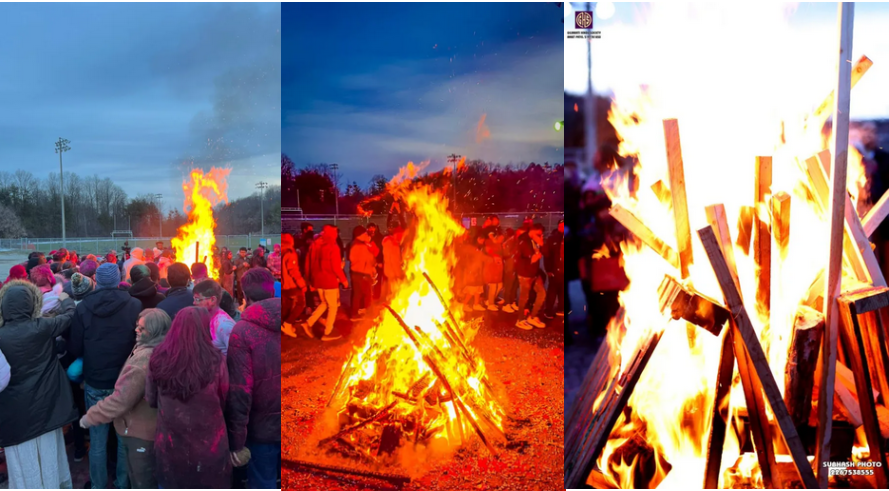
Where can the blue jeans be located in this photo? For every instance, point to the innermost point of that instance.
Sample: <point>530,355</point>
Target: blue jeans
<point>99,444</point>
<point>262,470</point>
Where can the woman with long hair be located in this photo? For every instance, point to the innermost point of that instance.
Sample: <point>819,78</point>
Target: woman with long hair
<point>134,420</point>
<point>188,382</point>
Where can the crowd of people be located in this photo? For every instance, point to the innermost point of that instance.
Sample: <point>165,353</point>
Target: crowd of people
<point>185,367</point>
<point>517,271</point>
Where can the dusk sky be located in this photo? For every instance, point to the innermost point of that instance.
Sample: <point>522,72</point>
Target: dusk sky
<point>373,86</point>
<point>142,91</point>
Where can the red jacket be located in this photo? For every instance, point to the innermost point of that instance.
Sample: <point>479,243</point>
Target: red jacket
<point>253,409</point>
<point>290,270</point>
<point>325,267</point>
<point>363,257</point>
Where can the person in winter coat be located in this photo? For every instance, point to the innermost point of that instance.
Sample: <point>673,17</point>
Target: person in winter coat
<point>377,238</point>
<point>49,287</point>
<point>135,421</point>
<point>293,287</point>
<point>155,275</point>
<point>16,272</point>
<point>325,273</point>
<point>253,409</point>
<point>178,296</point>
<point>37,402</point>
<point>4,372</point>
<point>187,382</point>
<point>530,277</point>
<point>144,287</point>
<point>510,279</point>
<point>103,334</point>
<point>362,267</point>
<point>226,271</point>
<point>393,270</point>
<point>208,294</point>
<point>81,286</point>
<point>554,261</point>
<point>274,261</point>
<point>493,273</point>
<point>472,264</point>
<point>136,257</point>
<point>241,264</point>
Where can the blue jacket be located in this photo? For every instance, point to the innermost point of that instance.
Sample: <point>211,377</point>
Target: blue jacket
<point>177,299</point>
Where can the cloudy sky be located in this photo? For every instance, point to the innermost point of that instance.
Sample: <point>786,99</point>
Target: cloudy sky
<point>383,84</point>
<point>142,91</point>
<point>782,52</point>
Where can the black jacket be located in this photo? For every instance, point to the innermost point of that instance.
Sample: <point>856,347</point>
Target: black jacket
<point>523,265</point>
<point>38,399</point>
<point>104,333</point>
<point>177,299</point>
<point>146,291</point>
<point>552,259</point>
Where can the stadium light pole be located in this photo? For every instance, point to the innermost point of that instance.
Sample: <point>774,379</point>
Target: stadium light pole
<point>336,192</point>
<point>160,217</point>
<point>455,159</point>
<point>62,147</point>
<point>262,185</point>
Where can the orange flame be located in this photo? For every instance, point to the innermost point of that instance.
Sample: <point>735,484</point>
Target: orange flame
<point>482,132</point>
<point>202,192</point>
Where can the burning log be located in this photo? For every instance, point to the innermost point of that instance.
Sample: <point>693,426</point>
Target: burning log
<point>781,222</point>
<point>799,374</point>
<point>376,417</point>
<point>663,194</point>
<point>302,465</point>
<point>877,349</point>
<point>760,365</point>
<point>639,229</point>
<point>720,414</point>
<point>836,205</point>
<point>580,457</point>
<point>875,216</point>
<point>682,303</point>
<point>677,192</point>
<point>762,238</point>
<point>582,411</point>
<point>745,228</point>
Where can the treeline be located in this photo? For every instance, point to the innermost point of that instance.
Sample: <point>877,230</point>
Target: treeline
<point>482,187</point>
<point>94,207</point>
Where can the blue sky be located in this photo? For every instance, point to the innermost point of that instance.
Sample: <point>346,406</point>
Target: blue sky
<point>732,45</point>
<point>142,91</point>
<point>373,86</point>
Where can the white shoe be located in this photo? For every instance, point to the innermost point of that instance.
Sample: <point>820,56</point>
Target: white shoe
<point>493,308</point>
<point>508,309</point>
<point>522,324</point>
<point>288,329</point>
<point>478,308</point>
<point>535,321</point>
<point>515,306</point>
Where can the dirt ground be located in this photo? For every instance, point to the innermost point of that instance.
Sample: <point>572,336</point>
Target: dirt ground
<point>525,366</point>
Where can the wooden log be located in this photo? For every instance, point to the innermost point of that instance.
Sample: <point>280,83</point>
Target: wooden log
<point>639,229</point>
<point>759,363</point>
<point>846,378</point>
<point>875,216</point>
<point>662,192</point>
<point>677,192</point>
<point>580,462</point>
<point>839,146</point>
<point>683,303</point>
<point>879,330</point>
<point>582,409</point>
<point>853,336</point>
<point>762,238</point>
<point>398,481</point>
<point>720,412</point>
<point>861,67</point>
<point>745,228</point>
<point>799,374</point>
<point>781,222</point>
<point>717,219</point>
<point>869,299</point>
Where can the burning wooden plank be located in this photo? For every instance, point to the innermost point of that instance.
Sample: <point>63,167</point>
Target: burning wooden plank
<point>799,373</point>
<point>854,339</point>
<point>398,481</point>
<point>639,229</point>
<point>781,222</point>
<point>840,145</point>
<point>762,237</point>
<point>745,228</point>
<point>720,415</point>
<point>875,216</point>
<point>682,303</point>
<point>677,192</point>
<point>757,357</point>
<point>663,194</point>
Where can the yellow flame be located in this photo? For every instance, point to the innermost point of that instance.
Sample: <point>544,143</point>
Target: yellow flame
<point>198,236</point>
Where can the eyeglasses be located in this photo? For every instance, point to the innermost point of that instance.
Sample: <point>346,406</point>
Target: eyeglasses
<point>199,298</point>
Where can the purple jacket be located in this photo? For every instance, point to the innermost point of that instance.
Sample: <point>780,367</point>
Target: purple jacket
<point>254,364</point>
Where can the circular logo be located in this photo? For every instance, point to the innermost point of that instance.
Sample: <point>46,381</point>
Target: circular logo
<point>583,20</point>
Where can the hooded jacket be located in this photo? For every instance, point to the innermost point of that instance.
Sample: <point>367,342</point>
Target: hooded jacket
<point>253,410</point>
<point>38,398</point>
<point>146,291</point>
<point>325,267</point>
<point>135,258</point>
<point>177,299</point>
<point>524,266</point>
<point>103,333</point>
<point>127,406</point>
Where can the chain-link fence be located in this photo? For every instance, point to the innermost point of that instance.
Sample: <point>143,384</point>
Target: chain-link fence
<point>101,245</point>
<point>290,223</point>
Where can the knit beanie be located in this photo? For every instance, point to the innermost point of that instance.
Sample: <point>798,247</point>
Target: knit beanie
<point>80,285</point>
<point>88,267</point>
<point>107,276</point>
<point>42,276</point>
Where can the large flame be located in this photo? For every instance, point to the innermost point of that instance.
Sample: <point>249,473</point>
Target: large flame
<point>732,103</point>
<point>390,365</point>
<point>194,241</point>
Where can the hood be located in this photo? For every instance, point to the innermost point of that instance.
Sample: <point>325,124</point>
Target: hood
<point>20,301</point>
<point>107,302</point>
<point>265,314</point>
<point>144,288</point>
<point>136,253</point>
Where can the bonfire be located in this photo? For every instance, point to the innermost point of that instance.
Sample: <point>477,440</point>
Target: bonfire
<point>194,241</point>
<point>745,317</point>
<point>416,387</point>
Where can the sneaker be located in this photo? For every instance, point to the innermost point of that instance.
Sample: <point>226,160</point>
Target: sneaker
<point>493,308</point>
<point>307,329</point>
<point>286,328</point>
<point>515,306</point>
<point>508,309</point>
<point>331,336</point>
<point>500,301</point>
<point>560,314</point>
<point>535,321</point>
<point>478,308</point>
<point>79,453</point>
<point>523,324</point>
